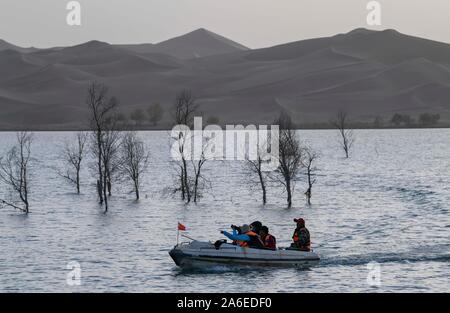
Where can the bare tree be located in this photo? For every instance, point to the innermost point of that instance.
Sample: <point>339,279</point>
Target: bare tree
<point>110,146</point>
<point>99,110</point>
<point>197,165</point>
<point>183,114</point>
<point>103,121</point>
<point>155,113</point>
<point>290,155</point>
<point>134,160</point>
<point>347,137</point>
<point>256,168</point>
<point>184,108</point>
<point>14,171</point>
<point>309,159</point>
<point>183,169</point>
<point>73,156</point>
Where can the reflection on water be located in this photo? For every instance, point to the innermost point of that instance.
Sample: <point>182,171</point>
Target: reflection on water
<point>388,203</point>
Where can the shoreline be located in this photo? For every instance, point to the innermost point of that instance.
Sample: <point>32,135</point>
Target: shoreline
<point>144,129</point>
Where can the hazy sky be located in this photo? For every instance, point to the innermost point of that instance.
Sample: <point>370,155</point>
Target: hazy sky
<point>255,23</point>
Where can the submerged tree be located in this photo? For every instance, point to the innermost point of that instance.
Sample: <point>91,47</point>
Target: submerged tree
<point>73,156</point>
<point>341,123</point>
<point>309,160</point>
<point>198,183</point>
<point>134,160</point>
<point>190,181</point>
<point>256,168</point>
<point>15,172</point>
<point>105,137</point>
<point>110,156</point>
<point>183,114</point>
<point>290,155</point>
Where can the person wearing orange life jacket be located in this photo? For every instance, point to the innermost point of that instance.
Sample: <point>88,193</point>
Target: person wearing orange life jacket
<point>245,238</point>
<point>270,242</point>
<point>301,237</point>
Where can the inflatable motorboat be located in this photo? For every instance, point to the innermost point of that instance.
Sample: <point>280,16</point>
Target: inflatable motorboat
<point>198,254</point>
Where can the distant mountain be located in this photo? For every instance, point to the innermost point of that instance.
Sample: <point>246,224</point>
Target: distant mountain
<point>199,43</point>
<point>8,46</point>
<point>368,73</point>
<point>387,47</point>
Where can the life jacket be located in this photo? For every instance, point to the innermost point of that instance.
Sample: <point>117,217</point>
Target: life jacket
<point>270,242</point>
<point>302,239</point>
<point>255,241</point>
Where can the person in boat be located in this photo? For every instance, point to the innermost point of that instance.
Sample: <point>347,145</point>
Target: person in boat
<point>301,237</point>
<point>270,242</point>
<point>256,226</point>
<point>245,237</point>
<point>236,231</point>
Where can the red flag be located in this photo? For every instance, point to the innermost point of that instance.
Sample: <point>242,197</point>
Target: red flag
<point>181,226</point>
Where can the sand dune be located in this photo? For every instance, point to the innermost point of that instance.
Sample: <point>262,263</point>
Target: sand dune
<point>57,78</point>
<point>199,43</point>
<point>368,73</point>
<point>13,64</point>
<point>8,46</point>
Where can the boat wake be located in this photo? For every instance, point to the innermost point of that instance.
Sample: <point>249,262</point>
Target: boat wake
<point>219,269</point>
<point>383,258</point>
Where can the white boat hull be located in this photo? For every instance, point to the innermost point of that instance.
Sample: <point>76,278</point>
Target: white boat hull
<point>198,254</point>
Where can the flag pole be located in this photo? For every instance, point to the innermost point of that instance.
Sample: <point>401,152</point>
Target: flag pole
<point>178,234</point>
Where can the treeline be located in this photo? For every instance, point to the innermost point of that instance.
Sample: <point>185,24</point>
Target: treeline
<point>153,115</point>
<point>405,120</point>
<point>118,155</point>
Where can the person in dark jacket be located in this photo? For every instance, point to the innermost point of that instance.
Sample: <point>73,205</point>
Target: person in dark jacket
<point>256,226</point>
<point>270,242</point>
<point>301,236</point>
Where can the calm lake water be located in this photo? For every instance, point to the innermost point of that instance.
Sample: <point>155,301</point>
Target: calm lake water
<point>389,203</point>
